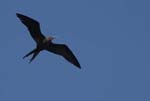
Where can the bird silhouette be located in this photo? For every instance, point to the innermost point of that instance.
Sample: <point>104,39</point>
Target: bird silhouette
<point>45,43</point>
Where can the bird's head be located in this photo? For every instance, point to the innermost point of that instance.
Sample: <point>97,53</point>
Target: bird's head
<point>50,38</point>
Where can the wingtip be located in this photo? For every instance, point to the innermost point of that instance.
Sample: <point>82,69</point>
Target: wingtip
<point>17,14</point>
<point>78,66</point>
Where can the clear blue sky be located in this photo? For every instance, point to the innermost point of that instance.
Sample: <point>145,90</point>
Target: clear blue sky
<point>111,39</point>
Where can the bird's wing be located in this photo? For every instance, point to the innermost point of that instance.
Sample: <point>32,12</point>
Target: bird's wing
<point>63,50</point>
<point>33,27</point>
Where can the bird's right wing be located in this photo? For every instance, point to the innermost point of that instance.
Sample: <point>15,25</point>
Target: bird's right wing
<point>33,27</point>
<point>63,50</point>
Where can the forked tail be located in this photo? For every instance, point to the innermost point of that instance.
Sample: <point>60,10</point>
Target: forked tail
<point>29,53</point>
<point>34,55</point>
<point>35,52</point>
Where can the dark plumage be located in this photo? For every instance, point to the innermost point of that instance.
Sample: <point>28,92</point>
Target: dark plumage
<point>43,43</point>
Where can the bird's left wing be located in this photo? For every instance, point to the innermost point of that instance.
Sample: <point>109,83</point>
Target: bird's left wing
<point>63,50</point>
<point>33,27</point>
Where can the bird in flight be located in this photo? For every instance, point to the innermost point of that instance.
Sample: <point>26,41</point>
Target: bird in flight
<point>45,43</point>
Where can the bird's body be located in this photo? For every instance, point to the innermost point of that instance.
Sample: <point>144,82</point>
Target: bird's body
<point>45,43</point>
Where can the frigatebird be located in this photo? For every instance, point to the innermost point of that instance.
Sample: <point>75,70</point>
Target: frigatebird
<point>45,43</point>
